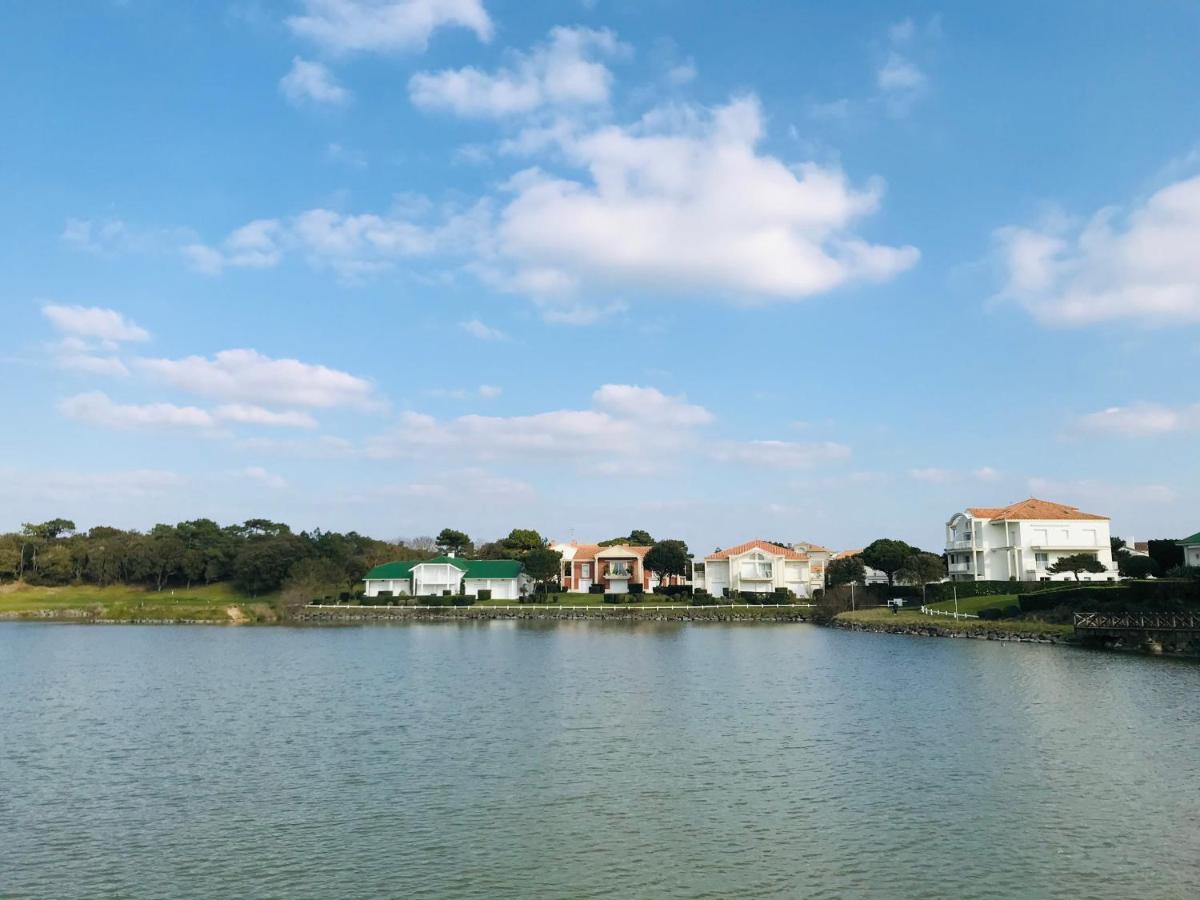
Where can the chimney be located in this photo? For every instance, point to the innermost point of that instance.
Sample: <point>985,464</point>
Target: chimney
<point>450,553</point>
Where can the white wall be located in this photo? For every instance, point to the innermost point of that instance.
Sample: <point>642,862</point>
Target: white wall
<point>1006,550</point>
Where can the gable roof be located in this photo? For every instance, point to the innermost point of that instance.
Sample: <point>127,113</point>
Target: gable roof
<point>1188,541</point>
<point>757,544</point>
<point>621,550</point>
<point>846,554</point>
<point>471,568</point>
<point>1032,508</point>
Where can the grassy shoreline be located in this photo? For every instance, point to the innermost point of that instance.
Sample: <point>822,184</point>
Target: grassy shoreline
<point>217,604</point>
<point>910,620</point>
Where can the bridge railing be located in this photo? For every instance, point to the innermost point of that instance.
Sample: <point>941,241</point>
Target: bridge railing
<point>1139,621</point>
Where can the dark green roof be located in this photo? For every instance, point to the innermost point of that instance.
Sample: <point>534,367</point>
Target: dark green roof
<point>474,568</point>
<point>1194,539</point>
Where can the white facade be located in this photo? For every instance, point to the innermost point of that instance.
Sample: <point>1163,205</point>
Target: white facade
<point>1020,542</point>
<point>757,566</point>
<point>1191,551</point>
<point>434,577</point>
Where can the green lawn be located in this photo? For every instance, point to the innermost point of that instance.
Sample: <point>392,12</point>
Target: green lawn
<point>973,605</point>
<point>212,603</point>
<point>883,616</point>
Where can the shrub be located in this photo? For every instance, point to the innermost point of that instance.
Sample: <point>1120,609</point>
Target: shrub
<point>344,597</point>
<point>612,598</point>
<point>596,589</point>
<point>315,601</point>
<point>637,589</point>
<point>703,598</point>
<point>384,594</point>
<point>992,612</point>
<point>1011,611</point>
<point>462,600</point>
<point>447,593</point>
<point>726,593</point>
<point>674,590</point>
<point>484,594</point>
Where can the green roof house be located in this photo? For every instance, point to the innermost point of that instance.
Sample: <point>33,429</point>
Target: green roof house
<point>1191,550</point>
<point>505,578</point>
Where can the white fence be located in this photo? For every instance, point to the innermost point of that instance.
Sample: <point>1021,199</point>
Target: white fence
<point>942,612</point>
<point>603,607</point>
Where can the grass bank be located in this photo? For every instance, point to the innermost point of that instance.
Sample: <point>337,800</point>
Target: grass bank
<point>913,619</point>
<point>120,603</point>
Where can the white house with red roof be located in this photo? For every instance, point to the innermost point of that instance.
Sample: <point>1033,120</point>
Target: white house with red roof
<point>758,566</point>
<point>1021,541</point>
<point>614,567</point>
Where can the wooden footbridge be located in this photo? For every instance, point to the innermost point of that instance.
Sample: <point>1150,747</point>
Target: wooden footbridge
<point>1151,630</point>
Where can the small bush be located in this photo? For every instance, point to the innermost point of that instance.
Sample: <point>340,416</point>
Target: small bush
<point>703,598</point>
<point>384,594</point>
<point>484,594</point>
<point>612,598</point>
<point>991,613</point>
<point>726,593</point>
<point>637,589</point>
<point>462,600</point>
<point>596,589</point>
<point>344,597</point>
<point>674,590</point>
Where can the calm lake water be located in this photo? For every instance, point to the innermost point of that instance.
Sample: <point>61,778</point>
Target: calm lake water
<point>587,760</point>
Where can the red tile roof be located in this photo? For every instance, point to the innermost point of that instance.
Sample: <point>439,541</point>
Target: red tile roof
<point>1033,509</point>
<point>756,544</point>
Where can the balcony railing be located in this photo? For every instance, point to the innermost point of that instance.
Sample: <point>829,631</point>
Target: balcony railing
<point>959,544</point>
<point>960,568</point>
<point>618,572</point>
<point>757,575</point>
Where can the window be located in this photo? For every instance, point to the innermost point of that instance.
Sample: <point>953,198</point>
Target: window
<point>1041,559</point>
<point>567,568</point>
<point>585,570</point>
<point>756,570</point>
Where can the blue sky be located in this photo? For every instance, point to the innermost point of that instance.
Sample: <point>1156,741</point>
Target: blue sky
<point>799,271</point>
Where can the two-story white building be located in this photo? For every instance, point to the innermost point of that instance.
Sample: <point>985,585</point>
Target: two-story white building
<point>757,566</point>
<point>1020,542</point>
<point>1191,550</point>
<point>505,578</point>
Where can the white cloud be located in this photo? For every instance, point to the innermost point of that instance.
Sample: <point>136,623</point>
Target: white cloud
<point>247,376</point>
<point>489,391</point>
<point>255,245</point>
<point>91,363</point>
<point>628,427</point>
<point>1143,265</point>
<point>262,476</point>
<point>683,73</point>
<point>352,245</point>
<point>561,72</point>
<point>249,414</point>
<point>312,82</point>
<point>93,322</point>
<point>484,332</point>
<point>783,454</point>
<point>686,202</point>
<point>95,408</point>
<point>899,74</point>
<point>1141,420</point>
<point>932,474</point>
<point>383,26</point>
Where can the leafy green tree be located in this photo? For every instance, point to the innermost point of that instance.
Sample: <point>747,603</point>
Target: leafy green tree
<point>521,541</point>
<point>1076,563</point>
<point>636,538</point>
<point>667,558</point>
<point>1166,552</point>
<point>847,570</point>
<point>922,569</point>
<point>312,578</point>
<point>1131,566</point>
<point>542,564</point>
<point>887,555</point>
<point>450,540</point>
<point>262,563</point>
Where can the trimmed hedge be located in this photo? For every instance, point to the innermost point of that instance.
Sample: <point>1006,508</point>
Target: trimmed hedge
<point>637,589</point>
<point>674,590</point>
<point>703,598</point>
<point>483,594</point>
<point>596,589</point>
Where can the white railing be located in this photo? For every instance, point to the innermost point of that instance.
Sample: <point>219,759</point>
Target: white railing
<point>943,612</point>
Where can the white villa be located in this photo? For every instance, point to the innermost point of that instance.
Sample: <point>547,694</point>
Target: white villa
<point>505,578</point>
<point>757,566</point>
<point>1019,542</point>
<point>818,558</point>
<point>1191,550</point>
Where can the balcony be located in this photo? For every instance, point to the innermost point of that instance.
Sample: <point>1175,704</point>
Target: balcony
<point>960,568</point>
<point>618,572</point>
<point>959,543</point>
<point>757,574</point>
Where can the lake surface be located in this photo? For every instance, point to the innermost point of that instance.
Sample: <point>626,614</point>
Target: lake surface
<point>589,760</point>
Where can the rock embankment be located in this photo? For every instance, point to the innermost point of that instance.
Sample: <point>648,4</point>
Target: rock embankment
<point>980,634</point>
<point>352,614</point>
